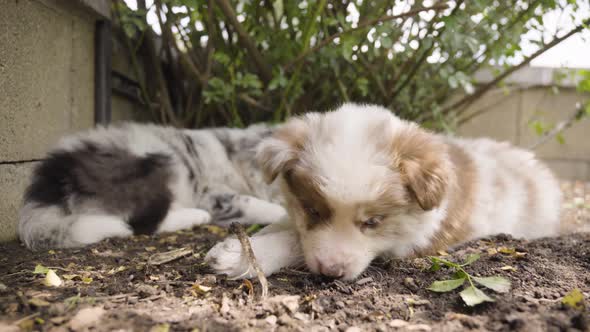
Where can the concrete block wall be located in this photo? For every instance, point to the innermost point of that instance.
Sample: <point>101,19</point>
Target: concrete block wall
<point>46,87</point>
<point>508,116</point>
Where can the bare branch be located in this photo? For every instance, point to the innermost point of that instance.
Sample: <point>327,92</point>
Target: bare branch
<point>360,26</point>
<point>238,230</point>
<point>560,127</point>
<point>469,99</point>
<point>243,36</point>
<point>423,56</point>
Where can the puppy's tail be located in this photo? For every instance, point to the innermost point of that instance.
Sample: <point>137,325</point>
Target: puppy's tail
<point>42,227</point>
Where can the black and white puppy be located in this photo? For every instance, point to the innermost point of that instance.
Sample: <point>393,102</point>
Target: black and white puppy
<point>144,179</point>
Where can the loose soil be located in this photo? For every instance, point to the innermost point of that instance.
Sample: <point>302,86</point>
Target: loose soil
<point>115,285</point>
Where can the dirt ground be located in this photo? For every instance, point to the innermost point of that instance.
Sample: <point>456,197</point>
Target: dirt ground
<point>121,284</point>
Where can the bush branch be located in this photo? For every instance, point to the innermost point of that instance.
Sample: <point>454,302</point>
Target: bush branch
<point>243,36</point>
<point>469,99</point>
<point>578,114</point>
<point>361,26</point>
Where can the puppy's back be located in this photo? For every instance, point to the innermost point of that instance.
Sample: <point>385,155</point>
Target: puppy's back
<point>515,192</point>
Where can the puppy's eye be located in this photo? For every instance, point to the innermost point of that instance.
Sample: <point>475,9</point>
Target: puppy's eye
<point>372,222</point>
<point>313,213</point>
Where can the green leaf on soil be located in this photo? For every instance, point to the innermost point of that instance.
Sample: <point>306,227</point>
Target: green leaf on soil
<point>470,259</point>
<point>442,261</point>
<point>435,267</point>
<point>40,269</point>
<point>574,299</point>
<point>446,285</point>
<point>497,283</point>
<point>473,296</point>
<point>86,280</point>
<point>460,274</point>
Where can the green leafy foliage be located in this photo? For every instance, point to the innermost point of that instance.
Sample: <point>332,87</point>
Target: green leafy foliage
<point>471,295</point>
<point>208,63</point>
<point>498,284</point>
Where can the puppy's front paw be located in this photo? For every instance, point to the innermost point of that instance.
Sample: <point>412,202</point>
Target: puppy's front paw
<point>226,258</point>
<point>223,208</point>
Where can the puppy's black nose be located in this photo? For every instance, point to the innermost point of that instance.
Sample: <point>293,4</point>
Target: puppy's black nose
<point>332,270</point>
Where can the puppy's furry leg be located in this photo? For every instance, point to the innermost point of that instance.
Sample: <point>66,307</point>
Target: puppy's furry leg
<point>275,247</point>
<point>183,218</point>
<point>228,208</point>
<point>89,229</point>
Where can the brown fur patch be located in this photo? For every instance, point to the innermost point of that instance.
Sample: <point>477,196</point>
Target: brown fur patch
<point>420,157</point>
<point>309,197</point>
<point>393,198</point>
<point>293,136</point>
<point>456,227</point>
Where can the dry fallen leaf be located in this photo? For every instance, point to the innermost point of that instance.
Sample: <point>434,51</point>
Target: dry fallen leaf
<point>37,302</point>
<point>248,284</point>
<point>69,276</point>
<point>168,256</point>
<point>52,279</point>
<point>200,289</point>
<point>119,269</point>
<point>214,229</point>
<point>574,299</point>
<point>506,250</point>
<point>508,268</point>
<point>160,328</point>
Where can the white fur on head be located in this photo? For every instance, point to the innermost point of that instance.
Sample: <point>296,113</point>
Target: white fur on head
<point>344,167</point>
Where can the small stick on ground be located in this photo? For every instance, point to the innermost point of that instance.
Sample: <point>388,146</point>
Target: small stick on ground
<point>169,256</point>
<point>239,231</point>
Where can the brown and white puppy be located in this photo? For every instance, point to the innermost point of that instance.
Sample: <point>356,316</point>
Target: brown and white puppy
<point>360,182</point>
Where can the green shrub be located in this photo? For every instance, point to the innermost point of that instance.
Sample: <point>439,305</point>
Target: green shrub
<point>238,62</point>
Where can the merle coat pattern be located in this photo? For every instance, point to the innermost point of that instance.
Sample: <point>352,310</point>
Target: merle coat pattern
<point>144,179</point>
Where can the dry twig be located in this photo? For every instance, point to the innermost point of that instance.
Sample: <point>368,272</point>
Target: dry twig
<point>560,127</point>
<point>239,231</point>
<point>169,256</point>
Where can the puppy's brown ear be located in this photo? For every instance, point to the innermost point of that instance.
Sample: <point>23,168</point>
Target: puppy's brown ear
<point>424,164</point>
<point>279,152</point>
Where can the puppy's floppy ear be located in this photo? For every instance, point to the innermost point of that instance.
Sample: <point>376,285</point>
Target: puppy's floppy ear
<point>279,152</point>
<point>424,164</point>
